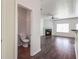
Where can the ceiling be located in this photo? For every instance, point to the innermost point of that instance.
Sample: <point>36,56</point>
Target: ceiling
<point>59,8</point>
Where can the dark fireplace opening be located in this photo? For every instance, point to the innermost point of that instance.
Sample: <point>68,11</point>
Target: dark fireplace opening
<point>48,32</point>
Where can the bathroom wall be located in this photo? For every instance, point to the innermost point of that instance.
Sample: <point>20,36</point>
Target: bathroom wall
<point>24,20</point>
<point>28,22</point>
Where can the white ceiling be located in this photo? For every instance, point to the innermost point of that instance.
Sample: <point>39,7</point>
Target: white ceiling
<point>59,8</point>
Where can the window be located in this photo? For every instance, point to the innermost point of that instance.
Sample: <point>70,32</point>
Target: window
<point>77,26</point>
<point>62,27</point>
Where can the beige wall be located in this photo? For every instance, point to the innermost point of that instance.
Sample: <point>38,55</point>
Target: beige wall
<point>28,22</point>
<point>8,29</point>
<point>22,21</point>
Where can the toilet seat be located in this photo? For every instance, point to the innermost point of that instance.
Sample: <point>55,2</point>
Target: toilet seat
<point>25,40</point>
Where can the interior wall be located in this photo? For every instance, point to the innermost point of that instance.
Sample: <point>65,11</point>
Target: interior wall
<point>34,6</point>
<point>41,27</point>
<point>24,20</point>
<point>72,25</point>
<point>28,22</point>
<point>8,29</point>
<point>46,24</point>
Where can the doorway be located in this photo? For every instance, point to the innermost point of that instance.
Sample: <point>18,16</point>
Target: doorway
<point>24,32</point>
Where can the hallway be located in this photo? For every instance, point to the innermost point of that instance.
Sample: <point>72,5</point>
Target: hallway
<point>55,48</point>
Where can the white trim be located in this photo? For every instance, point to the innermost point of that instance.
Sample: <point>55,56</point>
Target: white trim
<point>16,31</point>
<point>76,45</point>
<point>36,52</point>
<point>65,18</point>
<point>76,52</point>
<point>63,34</point>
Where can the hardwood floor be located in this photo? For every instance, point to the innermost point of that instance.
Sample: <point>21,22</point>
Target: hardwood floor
<point>23,53</point>
<point>54,48</point>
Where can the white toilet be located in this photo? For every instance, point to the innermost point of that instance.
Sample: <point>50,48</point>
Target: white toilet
<point>25,41</point>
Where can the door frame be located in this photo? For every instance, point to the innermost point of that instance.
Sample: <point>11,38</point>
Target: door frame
<point>16,27</point>
<point>16,31</point>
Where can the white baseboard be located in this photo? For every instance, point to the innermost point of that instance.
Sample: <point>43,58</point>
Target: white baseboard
<point>76,49</point>
<point>76,53</point>
<point>36,52</point>
<point>64,36</point>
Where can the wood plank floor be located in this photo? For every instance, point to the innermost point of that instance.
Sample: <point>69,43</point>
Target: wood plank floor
<point>53,48</point>
<point>23,53</point>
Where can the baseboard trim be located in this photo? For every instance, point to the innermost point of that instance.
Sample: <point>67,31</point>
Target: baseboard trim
<point>60,36</point>
<point>76,51</point>
<point>63,36</point>
<point>36,52</point>
<point>76,54</point>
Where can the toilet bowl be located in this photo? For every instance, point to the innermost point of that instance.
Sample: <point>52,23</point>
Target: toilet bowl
<point>24,39</point>
<point>25,42</point>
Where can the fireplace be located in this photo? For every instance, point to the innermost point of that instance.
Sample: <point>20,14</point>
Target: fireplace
<point>48,32</point>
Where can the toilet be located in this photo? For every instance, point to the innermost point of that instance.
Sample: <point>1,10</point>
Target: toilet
<point>24,39</point>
